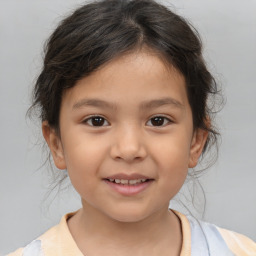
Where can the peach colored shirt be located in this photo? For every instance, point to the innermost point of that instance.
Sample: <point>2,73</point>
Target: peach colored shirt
<point>59,241</point>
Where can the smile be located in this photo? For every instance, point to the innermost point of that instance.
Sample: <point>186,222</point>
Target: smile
<point>127,182</point>
<point>128,185</point>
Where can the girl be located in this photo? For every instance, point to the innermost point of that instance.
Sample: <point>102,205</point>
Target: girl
<point>123,102</point>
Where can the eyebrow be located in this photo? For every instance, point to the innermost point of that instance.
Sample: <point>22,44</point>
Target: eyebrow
<point>144,105</point>
<point>161,102</point>
<point>94,103</point>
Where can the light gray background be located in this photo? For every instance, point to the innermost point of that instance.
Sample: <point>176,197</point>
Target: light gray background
<point>228,30</point>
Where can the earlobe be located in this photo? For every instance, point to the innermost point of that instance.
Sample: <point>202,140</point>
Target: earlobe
<point>54,143</point>
<point>197,145</point>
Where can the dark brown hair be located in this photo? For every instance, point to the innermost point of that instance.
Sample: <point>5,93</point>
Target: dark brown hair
<point>97,32</point>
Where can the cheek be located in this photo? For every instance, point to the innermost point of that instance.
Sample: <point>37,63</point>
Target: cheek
<point>173,162</point>
<point>173,175</point>
<point>174,167</point>
<point>83,157</point>
<point>83,148</point>
<point>174,150</point>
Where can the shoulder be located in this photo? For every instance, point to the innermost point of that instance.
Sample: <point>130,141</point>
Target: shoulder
<point>56,241</point>
<point>219,241</point>
<point>32,249</point>
<point>37,246</point>
<point>238,243</point>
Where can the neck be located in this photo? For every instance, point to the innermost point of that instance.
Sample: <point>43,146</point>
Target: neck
<point>91,228</point>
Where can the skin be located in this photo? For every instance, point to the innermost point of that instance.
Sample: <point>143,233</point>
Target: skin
<point>127,142</point>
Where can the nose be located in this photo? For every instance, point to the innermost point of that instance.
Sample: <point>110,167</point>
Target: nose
<point>128,145</point>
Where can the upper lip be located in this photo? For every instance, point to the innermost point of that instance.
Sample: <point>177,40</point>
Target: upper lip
<point>123,176</point>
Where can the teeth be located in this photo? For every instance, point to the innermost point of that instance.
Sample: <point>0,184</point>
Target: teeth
<point>125,182</point>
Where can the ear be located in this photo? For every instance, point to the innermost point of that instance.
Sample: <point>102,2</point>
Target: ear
<point>54,143</point>
<point>197,145</point>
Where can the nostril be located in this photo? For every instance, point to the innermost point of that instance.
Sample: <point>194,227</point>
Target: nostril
<point>128,150</point>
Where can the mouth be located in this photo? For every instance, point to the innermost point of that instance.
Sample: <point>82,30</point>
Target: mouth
<point>128,185</point>
<point>131,182</point>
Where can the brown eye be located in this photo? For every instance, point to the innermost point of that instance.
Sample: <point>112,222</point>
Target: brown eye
<point>96,121</point>
<point>158,121</point>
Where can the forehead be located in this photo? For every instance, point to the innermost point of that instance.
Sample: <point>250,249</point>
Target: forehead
<point>136,77</point>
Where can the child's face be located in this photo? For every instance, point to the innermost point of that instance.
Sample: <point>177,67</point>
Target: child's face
<point>144,130</point>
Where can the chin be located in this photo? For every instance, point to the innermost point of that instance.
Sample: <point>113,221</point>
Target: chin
<point>129,215</point>
<point>128,218</point>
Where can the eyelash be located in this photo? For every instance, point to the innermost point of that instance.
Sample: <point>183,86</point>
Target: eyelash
<point>90,119</point>
<point>166,120</point>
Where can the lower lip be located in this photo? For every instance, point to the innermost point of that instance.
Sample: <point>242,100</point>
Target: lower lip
<point>129,190</point>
